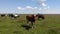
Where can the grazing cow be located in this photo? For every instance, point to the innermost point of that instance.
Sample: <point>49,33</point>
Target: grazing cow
<point>40,16</point>
<point>2,15</point>
<point>31,19</point>
<point>13,16</point>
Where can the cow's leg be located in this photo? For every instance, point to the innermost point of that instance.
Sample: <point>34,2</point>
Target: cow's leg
<point>28,22</point>
<point>33,24</point>
<point>15,17</point>
<point>43,17</point>
<point>38,18</point>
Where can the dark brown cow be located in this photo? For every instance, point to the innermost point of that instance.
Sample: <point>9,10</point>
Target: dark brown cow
<point>40,16</point>
<point>31,19</point>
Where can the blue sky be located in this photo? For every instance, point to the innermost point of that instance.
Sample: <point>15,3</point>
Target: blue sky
<point>30,6</point>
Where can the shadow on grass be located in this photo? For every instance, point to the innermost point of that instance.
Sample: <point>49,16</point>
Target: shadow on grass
<point>27,27</point>
<point>16,32</point>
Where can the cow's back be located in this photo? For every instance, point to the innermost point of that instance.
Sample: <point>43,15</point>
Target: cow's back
<point>30,17</point>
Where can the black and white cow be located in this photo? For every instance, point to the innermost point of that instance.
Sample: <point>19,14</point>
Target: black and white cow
<point>2,15</point>
<point>13,16</point>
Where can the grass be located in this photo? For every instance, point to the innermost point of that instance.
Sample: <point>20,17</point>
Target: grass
<point>50,25</point>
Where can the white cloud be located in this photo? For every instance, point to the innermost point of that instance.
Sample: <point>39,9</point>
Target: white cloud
<point>46,8</point>
<point>40,8</point>
<point>23,8</point>
<point>28,7</point>
<point>31,8</point>
<point>20,8</point>
<point>35,7</point>
<point>43,4</point>
<point>42,0</point>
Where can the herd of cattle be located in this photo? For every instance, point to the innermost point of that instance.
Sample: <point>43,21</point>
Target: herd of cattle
<point>29,17</point>
<point>10,15</point>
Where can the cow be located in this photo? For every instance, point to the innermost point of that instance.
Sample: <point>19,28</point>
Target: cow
<point>31,19</point>
<point>40,16</point>
<point>2,15</point>
<point>13,15</point>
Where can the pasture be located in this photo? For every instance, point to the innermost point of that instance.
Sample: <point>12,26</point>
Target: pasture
<point>50,25</point>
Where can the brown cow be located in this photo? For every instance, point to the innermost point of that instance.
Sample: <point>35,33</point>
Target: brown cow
<point>30,19</point>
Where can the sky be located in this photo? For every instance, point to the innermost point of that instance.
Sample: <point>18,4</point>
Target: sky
<point>30,6</point>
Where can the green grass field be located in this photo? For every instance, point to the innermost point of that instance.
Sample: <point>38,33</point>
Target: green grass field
<point>50,25</point>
